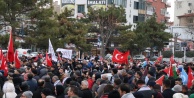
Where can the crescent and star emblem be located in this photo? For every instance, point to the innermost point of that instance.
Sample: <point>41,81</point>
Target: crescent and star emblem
<point>118,57</point>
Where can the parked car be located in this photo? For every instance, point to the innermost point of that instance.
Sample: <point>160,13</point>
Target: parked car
<point>139,57</point>
<point>33,54</point>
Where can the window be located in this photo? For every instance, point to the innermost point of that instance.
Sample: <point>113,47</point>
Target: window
<point>189,4</point>
<point>190,20</point>
<point>135,19</point>
<point>121,3</point>
<point>136,5</point>
<point>141,4</point>
<point>189,11</point>
<point>164,1</point>
<point>81,8</point>
<point>154,9</point>
<point>162,11</point>
<point>141,18</point>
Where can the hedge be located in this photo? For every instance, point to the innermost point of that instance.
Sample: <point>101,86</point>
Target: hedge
<point>179,54</point>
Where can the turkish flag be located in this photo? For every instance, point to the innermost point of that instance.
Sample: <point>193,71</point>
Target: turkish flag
<point>1,54</point>
<point>10,52</point>
<point>190,77</point>
<point>48,60</point>
<point>4,66</point>
<point>17,60</point>
<point>160,80</point>
<point>120,57</point>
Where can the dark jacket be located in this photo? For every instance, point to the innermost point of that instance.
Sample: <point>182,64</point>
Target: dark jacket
<point>37,93</point>
<point>147,93</point>
<point>130,80</point>
<point>50,86</point>
<point>86,93</point>
<point>152,79</point>
<point>168,93</point>
<point>32,83</point>
<point>60,91</point>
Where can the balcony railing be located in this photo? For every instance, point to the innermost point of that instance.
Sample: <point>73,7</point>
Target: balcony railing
<point>168,4</point>
<point>149,12</point>
<point>167,15</point>
<point>149,1</point>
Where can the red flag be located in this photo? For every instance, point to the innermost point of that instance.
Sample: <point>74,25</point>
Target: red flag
<point>170,73</point>
<point>16,60</point>
<point>59,57</point>
<point>48,60</point>
<point>190,77</point>
<point>1,54</point>
<point>131,58</point>
<point>36,58</point>
<point>4,66</point>
<point>160,80</point>
<point>159,59</point>
<point>120,57</point>
<point>172,60</point>
<point>10,55</point>
<point>166,70</point>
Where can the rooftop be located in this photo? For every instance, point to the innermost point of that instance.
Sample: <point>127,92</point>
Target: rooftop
<point>186,15</point>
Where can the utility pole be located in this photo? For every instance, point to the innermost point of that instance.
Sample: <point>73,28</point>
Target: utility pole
<point>175,40</point>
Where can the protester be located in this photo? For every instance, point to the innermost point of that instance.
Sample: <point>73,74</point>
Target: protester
<point>124,91</point>
<point>167,92</point>
<point>9,90</point>
<point>27,94</point>
<point>94,77</point>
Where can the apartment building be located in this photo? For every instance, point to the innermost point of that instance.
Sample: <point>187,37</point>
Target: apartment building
<point>79,7</point>
<point>184,13</point>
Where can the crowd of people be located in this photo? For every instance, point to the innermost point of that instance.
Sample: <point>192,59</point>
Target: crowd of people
<point>90,78</point>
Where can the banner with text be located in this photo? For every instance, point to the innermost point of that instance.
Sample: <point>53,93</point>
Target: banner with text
<point>65,53</point>
<point>67,2</point>
<point>96,2</point>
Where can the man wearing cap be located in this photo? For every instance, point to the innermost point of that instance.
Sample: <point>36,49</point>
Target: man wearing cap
<point>177,88</point>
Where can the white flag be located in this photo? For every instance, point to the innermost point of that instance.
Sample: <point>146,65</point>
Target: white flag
<point>51,51</point>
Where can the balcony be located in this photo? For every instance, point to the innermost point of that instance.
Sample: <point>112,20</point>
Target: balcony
<point>168,4</point>
<point>190,24</point>
<point>148,12</point>
<point>167,15</point>
<point>149,1</point>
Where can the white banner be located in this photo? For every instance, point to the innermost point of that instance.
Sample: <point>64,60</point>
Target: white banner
<point>65,53</point>
<point>51,51</point>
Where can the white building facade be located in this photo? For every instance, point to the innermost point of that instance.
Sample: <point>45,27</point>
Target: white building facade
<point>80,7</point>
<point>182,7</point>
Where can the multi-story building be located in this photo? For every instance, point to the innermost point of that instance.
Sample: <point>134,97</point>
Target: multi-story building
<point>79,7</point>
<point>147,8</point>
<point>160,8</point>
<point>183,15</point>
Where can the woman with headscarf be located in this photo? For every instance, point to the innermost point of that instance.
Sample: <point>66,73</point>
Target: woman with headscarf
<point>9,90</point>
